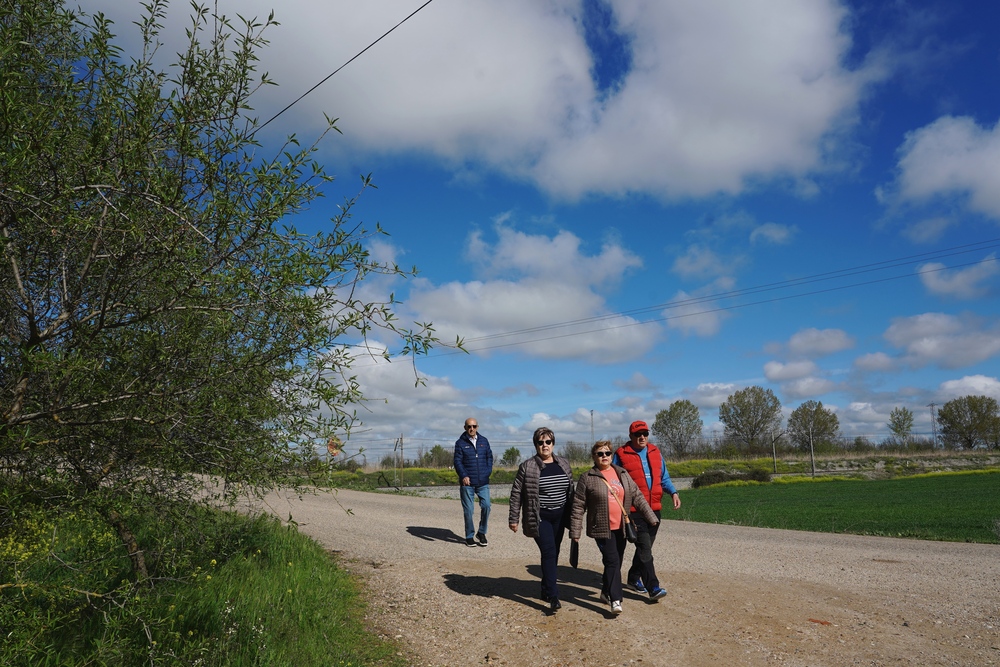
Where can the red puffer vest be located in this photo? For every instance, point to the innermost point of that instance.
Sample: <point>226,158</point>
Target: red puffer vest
<point>633,464</point>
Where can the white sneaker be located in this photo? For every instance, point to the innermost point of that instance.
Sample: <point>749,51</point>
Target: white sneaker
<point>616,607</point>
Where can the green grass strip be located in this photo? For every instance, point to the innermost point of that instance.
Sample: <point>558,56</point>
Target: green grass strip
<point>957,507</point>
<point>229,591</point>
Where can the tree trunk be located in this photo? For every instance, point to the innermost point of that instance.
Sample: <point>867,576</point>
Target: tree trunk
<point>127,537</point>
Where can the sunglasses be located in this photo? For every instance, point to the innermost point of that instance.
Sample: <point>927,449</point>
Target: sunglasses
<point>471,426</point>
<point>543,442</point>
<point>641,434</point>
<point>602,454</point>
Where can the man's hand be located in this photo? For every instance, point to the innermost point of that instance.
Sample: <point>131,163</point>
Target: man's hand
<point>677,501</point>
<point>465,482</point>
<point>513,527</point>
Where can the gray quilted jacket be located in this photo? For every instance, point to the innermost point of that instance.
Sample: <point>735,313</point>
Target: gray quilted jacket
<point>524,493</point>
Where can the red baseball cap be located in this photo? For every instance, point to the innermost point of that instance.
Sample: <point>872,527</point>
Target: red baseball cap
<point>636,427</point>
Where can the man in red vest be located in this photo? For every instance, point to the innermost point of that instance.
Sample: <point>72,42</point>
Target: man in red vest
<point>646,467</point>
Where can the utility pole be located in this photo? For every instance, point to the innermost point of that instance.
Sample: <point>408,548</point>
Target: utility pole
<point>812,455</point>
<point>397,462</point>
<point>592,440</point>
<point>774,448</point>
<point>933,425</point>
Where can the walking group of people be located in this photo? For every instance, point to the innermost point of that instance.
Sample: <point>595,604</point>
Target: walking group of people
<point>622,493</point>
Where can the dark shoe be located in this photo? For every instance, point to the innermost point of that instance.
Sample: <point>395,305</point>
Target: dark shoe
<point>554,605</point>
<point>470,542</point>
<point>482,539</point>
<point>637,586</point>
<point>545,598</point>
<point>657,593</point>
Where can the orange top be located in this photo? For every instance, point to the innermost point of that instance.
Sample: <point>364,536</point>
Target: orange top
<point>614,509</point>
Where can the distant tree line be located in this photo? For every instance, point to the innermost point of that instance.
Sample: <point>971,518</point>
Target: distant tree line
<point>754,427</point>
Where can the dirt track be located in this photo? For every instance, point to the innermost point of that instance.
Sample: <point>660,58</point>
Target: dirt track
<point>738,596</point>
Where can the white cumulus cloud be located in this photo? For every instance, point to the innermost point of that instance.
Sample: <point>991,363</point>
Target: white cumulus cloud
<point>550,305</point>
<point>710,395</point>
<point>875,361</point>
<point>865,413</point>
<point>971,385</point>
<point>965,283</point>
<point>945,340</point>
<point>772,232</point>
<point>952,156</point>
<point>720,93</point>
<point>775,371</point>
<point>811,343</point>
<point>700,262</point>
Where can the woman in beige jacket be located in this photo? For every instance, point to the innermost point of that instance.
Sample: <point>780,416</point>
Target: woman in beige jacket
<point>601,493</point>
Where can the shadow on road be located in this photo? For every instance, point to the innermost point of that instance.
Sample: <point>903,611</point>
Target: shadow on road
<point>435,534</point>
<point>577,587</point>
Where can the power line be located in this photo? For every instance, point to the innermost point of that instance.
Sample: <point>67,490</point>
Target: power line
<point>702,312</point>
<point>767,287</point>
<point>327,77</point>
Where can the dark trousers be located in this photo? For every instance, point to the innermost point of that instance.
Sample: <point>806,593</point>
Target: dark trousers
<point>550,535</point>
<point>642,560</point>
<point>612,550</point>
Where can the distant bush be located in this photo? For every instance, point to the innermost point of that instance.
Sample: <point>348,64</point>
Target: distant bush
<point>710,477</point>
<point>350,465</point>
<point>576,453</point>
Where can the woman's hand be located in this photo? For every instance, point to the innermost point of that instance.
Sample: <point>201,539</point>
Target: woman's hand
<point>513,527</point>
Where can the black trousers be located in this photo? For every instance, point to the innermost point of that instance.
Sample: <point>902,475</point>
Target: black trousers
<point>550,534</point>
<point>612,550</point>
<point>642,560</point>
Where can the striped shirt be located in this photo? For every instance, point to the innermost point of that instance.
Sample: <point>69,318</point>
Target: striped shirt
<point>553,487</point>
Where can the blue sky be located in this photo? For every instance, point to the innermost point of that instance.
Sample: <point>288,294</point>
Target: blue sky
<point>621,204</point>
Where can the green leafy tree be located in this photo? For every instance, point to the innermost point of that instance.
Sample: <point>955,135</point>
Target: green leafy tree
<point>901,425</point>
<point>575,452</point>
<point>811,424</point>
<point>160,317</point>
<point>750,415</point>
<point>511,457</point>
<point>970,422</point>
<point>439,457</point>
<point>678,427</point>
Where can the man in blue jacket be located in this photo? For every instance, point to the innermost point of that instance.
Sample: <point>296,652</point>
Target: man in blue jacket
<point>474,465</point>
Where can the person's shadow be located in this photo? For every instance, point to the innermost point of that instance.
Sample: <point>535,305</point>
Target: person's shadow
<point>576,586</point>
<point>588,578</point>
<point>435,534</point>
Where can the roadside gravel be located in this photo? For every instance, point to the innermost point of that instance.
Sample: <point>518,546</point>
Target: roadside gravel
<point>737,596</point>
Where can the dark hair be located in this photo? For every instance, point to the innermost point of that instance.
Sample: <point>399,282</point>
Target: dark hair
<point>544,430</point>
<point>601,444</point>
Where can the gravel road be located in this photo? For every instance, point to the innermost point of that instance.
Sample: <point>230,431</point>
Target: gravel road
<point>737,596</point>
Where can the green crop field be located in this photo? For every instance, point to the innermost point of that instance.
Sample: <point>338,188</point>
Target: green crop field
<point>958,507</point>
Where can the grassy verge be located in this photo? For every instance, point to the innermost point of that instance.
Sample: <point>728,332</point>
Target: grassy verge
<point>228,590</point>
<point>959,507</point>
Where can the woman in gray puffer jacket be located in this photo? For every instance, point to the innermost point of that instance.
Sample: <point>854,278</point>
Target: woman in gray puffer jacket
<point>602,492</point>
<point>540,495</point>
